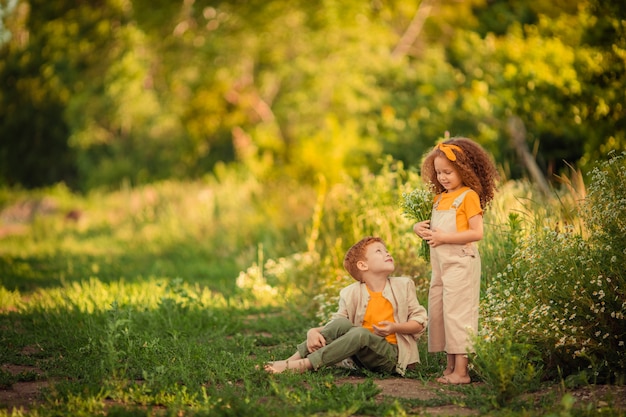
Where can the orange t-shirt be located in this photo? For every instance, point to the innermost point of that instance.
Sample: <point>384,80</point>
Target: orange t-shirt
<point>469,208</point>
<point>379,309</point>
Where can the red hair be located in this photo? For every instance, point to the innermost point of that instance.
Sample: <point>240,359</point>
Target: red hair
<point>357,253</point>
<point>473,163</point>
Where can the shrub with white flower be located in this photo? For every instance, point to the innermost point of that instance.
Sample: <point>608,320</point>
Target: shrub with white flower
<point>565,290</point>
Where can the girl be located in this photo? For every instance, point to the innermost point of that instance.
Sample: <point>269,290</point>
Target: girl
<point>464,179</point>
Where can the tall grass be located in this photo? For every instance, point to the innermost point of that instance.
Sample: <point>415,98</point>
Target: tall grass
<point>205,231</point>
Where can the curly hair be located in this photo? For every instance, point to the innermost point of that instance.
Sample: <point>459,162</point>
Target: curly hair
<point>475,167</point>
<point>357,253</point>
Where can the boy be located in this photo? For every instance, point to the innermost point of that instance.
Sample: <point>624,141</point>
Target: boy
<point>378,322</point>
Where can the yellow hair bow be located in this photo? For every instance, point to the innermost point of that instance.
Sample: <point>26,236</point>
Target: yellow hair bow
<point>447,149</point>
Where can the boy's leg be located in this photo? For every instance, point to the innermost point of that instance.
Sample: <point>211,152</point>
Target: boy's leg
<point>299,360</point>
<point>374,352</point>
<point>295,363</point>
<point>331,331</point>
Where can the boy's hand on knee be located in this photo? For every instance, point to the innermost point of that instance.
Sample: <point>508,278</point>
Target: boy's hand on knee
<point>314,340</point>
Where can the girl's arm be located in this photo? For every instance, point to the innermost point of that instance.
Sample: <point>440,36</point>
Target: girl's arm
<point>421,227</point>
<point>473,234</point>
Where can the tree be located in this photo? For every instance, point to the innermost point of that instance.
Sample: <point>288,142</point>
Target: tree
<point>100,93</point>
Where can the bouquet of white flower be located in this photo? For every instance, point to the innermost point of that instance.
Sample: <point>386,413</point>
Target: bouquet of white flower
<point>418,206</point>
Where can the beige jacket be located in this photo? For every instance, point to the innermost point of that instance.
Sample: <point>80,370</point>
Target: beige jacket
<point>400,291</point>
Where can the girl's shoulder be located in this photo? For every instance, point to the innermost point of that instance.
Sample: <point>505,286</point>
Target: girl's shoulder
<point>471,203</point>
<point>465,192</point>
<point>472,194</point>
<point>461,197</point>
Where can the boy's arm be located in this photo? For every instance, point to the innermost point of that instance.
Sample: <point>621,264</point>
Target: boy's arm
<point>416,315</point>
<point>409,327</point>
<point>385,328</point>
<point>416,312</point>
<point>314,339</point>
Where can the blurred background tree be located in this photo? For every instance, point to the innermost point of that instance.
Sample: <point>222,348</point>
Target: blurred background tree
<point>97,94</point>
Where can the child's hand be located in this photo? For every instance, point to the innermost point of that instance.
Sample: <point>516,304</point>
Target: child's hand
<point>314,340</point>
<point>422,228</point>
<point>435,237</point>
<point>384,328</point>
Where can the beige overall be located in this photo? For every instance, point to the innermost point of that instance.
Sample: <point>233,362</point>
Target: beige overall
<point>454,288</point>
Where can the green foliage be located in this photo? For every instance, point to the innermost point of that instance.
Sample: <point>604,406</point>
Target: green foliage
<point>604,211</point>
<point>563,291</point>
<point>205,231</point>
<point>99,95</point>
<point>507,367</point>
<point>503,230</point>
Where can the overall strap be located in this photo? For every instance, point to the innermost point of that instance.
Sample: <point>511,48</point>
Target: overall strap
<point>437,202</point>
<point>457,201</point>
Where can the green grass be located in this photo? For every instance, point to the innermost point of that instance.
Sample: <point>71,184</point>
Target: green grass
<point>165,344</point>
<point>164,300</point>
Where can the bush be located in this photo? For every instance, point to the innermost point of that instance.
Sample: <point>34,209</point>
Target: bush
<point>508,368</point>
<point>563,291</point>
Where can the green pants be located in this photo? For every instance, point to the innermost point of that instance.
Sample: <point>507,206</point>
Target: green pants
<point>343,340</point>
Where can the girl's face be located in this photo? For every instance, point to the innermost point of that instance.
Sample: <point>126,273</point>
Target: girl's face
<point>447,175</point>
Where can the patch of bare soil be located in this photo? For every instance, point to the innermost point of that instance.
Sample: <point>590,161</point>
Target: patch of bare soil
<point>598,396</point>
<point>21,394</point>
<point>602,396</point>
<point>420,390</point>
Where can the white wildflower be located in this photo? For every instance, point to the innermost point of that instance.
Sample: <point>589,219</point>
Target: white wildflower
<point>417,205</point>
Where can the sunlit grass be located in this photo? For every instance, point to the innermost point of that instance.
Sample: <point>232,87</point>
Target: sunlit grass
<point>167,297</point>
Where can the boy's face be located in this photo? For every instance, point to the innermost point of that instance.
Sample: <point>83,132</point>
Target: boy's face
<point>377,259</point>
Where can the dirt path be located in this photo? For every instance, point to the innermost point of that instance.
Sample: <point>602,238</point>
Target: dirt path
<point>25,394</point>
<point>419,390</point>
<point>21,394</point>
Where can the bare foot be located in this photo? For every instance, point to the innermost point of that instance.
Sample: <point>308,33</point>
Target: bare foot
<point>448,371</point>
<point>279,367</point>
<point>454,379</point>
